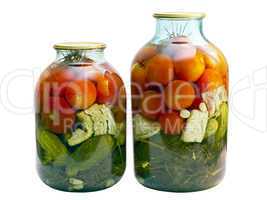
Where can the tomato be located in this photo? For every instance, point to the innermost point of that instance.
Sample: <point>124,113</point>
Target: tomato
<point>171,123</point>
<point>210,80</point>
<point>60,74</point>
<point>137,95</point>
<point>160,69</point>
<point>179,94</point>
<point>214,59</point>
<point>80,94</point>
<point>145,53</point>
<point>52,83</point>
<point>152,104</point>
<point>196,102</point>
<point>57,79</point>
<point>103,86</point>
<point>189,68</point>
<point>57,115</point>
<point>138,75</point>
<point>114,85</point>
<point>198,98</point>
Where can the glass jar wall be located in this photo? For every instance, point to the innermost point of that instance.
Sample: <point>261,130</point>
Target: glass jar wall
<point>179,85</point>
<point>80,120</point>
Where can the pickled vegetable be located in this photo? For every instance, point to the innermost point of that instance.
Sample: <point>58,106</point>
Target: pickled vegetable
<point>223,122</point>
<point>180,107</point>
<point>81,121</point>
<point>54,150</point>
<point>89,153</point>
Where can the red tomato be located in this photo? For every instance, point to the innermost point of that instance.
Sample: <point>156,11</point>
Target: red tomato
<point>159,69</point>
<point>103,86</point>
<point>145,53</point>
<point>52,83</point>
<point>190,69</point>
<point>136,95</point>
<point>198,98</point>
<point>210,80</point>
<point>214,59</point>
<point>80,94</point>
<point>196,102</point>
<point>171,123</point>
<point>179,94</point>
<point>58,78</point>
<point>152,104</point>
<point>114,85</point>
<point>138,75</point>
<point>57,115</point>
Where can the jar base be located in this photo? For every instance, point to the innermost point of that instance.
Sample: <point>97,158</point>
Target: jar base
<point>86,190</point>
<point>180,190</point>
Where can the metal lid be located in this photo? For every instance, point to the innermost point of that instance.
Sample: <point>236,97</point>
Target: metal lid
<point>180,15</point>
<point>79,46</point>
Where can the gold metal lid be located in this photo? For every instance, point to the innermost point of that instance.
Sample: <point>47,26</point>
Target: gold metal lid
<point>180,15</point>
<point>79,46</point>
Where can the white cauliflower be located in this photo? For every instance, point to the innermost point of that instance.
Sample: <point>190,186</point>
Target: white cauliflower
<point>96,120</point>
<point>144,128</point>
<point>103,120</point>
<point>214,99</point>
<point>83,133</point>
<point>195,127</point>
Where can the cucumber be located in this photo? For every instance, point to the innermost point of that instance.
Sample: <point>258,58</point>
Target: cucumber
<point>90,153</point>
<point>212,127</point>
<point>52,146</point>
<point>121,129</point>
<point>43,156</point>
<point>223,122</point>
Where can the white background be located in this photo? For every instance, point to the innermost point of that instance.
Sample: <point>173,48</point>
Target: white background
<point>29,28</point>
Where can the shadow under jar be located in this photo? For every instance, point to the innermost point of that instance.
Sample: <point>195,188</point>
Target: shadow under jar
<point>179,88</point>
<point>80,120</point>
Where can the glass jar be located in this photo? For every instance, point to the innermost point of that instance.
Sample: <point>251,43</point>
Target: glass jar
<point>179,85</point>
<point>80,120</point>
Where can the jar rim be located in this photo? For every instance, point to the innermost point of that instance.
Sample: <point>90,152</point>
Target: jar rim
<point>180,15</point>
<point>79,46</point>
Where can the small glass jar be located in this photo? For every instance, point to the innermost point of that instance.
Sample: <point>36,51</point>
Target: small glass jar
<point>179,85</point>
<point>80,120</point>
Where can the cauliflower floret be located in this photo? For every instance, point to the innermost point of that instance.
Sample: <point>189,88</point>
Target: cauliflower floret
<point>144,128</point>
<point>97,120</point>
<point>103,121</point>
<point>214,99</point>
<point>195,127</point>
<point>82,134</point>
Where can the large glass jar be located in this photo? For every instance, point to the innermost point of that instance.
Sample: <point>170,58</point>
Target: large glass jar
<point>80,120</point>
<point>180,107</point>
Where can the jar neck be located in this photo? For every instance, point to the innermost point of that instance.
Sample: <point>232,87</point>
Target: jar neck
<point>80,56</point>
<point>169,28</point>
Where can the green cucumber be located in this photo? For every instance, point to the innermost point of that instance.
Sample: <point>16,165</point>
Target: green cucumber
<point>223,122</point>
<point>53,148</point>
<point>212,127</point>
<point>121,129</point>
<point>90,153</point>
